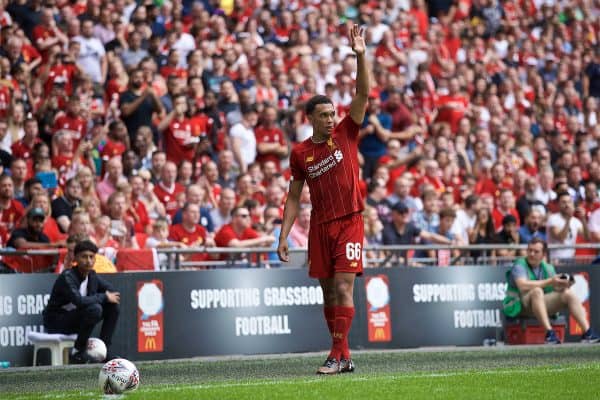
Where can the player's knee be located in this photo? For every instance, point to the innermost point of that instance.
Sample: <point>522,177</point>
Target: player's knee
<point>92,313</point>
<point>342,287</point>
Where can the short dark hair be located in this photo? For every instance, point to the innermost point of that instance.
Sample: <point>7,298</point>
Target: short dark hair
<point>447,212</point>
<point>562,194</point>
<point>237,208</point>
<point>471,200</point>
<point>536,240</point>
<point>314,101</point>
<point>248,109</point>
<point>85,245</point>
<point>187,205</point>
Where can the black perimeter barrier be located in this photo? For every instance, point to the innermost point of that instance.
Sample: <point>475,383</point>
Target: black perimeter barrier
<point>177,314</point>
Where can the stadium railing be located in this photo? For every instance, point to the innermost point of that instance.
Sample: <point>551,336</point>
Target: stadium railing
<point>26,261</point>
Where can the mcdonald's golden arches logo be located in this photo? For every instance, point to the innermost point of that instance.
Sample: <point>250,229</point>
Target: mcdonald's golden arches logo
<point>379,334</point>
<point>150,343</point>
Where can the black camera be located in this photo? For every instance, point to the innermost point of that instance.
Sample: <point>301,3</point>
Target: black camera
<point>568,277</point>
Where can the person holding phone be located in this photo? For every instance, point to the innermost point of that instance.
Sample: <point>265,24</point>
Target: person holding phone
<point>535,290</point>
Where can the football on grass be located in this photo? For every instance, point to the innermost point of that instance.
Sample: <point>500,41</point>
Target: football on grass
<point>96,349</point>
<point>118,376</point>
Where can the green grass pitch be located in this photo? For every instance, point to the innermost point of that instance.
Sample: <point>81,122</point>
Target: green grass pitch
<point>532,372</point>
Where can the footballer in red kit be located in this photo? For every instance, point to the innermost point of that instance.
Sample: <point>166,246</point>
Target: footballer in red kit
<point>328,163</point>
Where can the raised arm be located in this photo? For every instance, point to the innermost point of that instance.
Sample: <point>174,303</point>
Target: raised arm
<point>359,102</point>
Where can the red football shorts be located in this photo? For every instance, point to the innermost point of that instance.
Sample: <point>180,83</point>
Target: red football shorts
<point>336,246</point>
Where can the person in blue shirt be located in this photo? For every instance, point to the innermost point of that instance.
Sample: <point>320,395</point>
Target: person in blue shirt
<point>532,227</point>
<point>374,134</point>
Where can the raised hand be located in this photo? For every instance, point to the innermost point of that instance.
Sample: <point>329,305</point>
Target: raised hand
<point>357,40</point>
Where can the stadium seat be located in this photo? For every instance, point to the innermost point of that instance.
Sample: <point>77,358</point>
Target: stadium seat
<point>530,331</point>
<point>58,344</point>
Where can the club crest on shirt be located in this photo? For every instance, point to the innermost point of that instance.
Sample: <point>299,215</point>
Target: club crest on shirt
<point>309,159</point>
<point>338,155</point>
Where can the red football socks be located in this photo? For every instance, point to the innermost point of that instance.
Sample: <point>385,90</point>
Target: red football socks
<point>329,312</point>
<point>343,322</point>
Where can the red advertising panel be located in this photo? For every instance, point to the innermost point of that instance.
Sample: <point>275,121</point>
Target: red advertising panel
<point>378,308</point>
<point>150,316</point>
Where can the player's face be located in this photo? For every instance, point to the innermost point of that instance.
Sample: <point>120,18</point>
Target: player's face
<point>323,119</point>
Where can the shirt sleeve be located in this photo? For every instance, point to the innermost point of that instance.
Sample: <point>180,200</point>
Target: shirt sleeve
<point>348,127</point>
<point>296,168</point>
<point>518,272</point>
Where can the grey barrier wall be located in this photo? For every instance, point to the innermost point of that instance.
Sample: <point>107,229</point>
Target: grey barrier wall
<point>218,312</point>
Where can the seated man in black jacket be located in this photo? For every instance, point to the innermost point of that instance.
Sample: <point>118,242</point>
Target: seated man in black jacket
<point>79,300</point>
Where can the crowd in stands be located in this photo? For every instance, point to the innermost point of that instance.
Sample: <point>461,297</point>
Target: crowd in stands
<point>168,123</point>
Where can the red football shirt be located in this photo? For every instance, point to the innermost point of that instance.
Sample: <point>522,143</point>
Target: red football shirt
<point>75,125</point>
<point>4,101</point>
<point>451,109</point>
<point>113,148</point>
<point>62,72</point>
<point>169,197</point>
<point>10,218</point>
<point>178,141</point>
<point>266,135</point>
<point>21,150</point>
<point>331,171</point>
<point>196,238</point>
<point>226,234</point>
<point>497,216</point>
<point>52,230</point>
<point>141,219</point>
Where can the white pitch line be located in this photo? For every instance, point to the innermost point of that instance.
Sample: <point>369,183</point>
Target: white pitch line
<point>165,388</point>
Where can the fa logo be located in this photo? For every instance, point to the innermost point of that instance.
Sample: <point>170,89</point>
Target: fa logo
<point>338,155</point>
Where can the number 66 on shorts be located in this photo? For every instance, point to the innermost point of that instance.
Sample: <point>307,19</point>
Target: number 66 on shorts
<point>353,251</point>
<point>336,246</point>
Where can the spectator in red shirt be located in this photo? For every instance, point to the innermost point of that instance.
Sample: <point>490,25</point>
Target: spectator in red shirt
<point>11,210</point>
<point>167,189</point>
<point>46,34</point>
<point>117,141</point>
<point>72,122</point>
<point>190,232</point>
<point>498,181</point>
<point>453,106</point>
<point>238,233</point>
<point>271,144</point>
<point>506,206</point>
<point>24,147</point>
<point>180,143</point>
